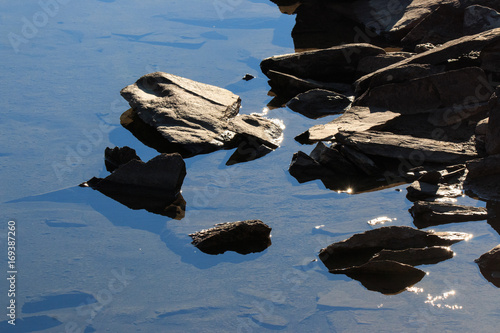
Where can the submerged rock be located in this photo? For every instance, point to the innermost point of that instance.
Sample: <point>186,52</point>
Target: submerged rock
<point>154,185</point>
<point>416,256</point>
<point>489,265</point>
<point>317,103</point>
<point>385,276</point>
<point>243,237</point>
<point>175,114</point>
<point>360,248</point>
<point>426,214</point>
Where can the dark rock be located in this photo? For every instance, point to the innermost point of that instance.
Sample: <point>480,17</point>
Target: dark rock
<point>494,4</point>
<point>286,86</point>
<point>371,64</point>
<point>479,18</point>
<point>407,147</point>
<point>483,178</point>
<point>430,93</point>
<point>421,191</point>
<point>355,119</point>
<point>494,215</point>
<point>404,73</point>
<point>360,248</point>
<point>304,168</point>
<point>443,24</point>
<point>114,158</point>
<point>493,130</point>
<point>248,151</point>
<point>317,103</point>
<point>174,114</point>
<point>490,58</point>
<point>483,167</point>
<point>452,174</point>
<point>333,159</point>
<point>489,265</point>
<point>385,276</point>
<point>416,256</point>
<point>243,237</point>
<point>426,214</point>
<point>154,186</point>
<point>362,161</point>
<point>335,64</point>
<point>248,77</point>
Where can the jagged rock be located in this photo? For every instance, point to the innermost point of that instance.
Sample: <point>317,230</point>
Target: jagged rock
<point>426,214</point>
<point>360,248</point>
<point>354,119</point>
<point>305,168</point>
<point>443,24</point>
<point>154,185</point>
<point>286,86</point>
<point>317,103</point>
<point>333,159</point>
<point>175,114</point>
<point>489,265</point>
<point>493,130</point>
<point>114,158</point>
<point>362,161</point>
<point>479,18</point>
<point>335,64</point>
<point>243,237</point>
<point>407,147</point>
<point>483,178</point>
<point>420,191</point>
<point>371,64</point>
<point>416,256</point>
<point>437,56</point>
<point>385,276</point>
<point>430,93</point>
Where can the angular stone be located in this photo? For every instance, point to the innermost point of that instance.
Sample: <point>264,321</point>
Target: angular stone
<point>154,185</point>
<point>493,130</point>
<point>335,64</point>
<point>304,168</point>
<point>360,248</point>
<point>479,18</point>
<point>317,103</point>
<point>430,93</point>
<point>407,147</point>
<point>426,214</point>
<point>416,256</point>
<point>419,190</point>
<point>114,158</point>
<point>333,159</point>
<point>363,162</point>
<point>243,237</point>
<point>385,276</point>
<point>371,64</point>
<point>489,265</point>
<point>354,119</point>
<point>175,114</point>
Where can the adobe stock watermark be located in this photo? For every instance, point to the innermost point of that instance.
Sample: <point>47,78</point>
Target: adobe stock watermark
<point>31,25</point>
<point>224,6</point>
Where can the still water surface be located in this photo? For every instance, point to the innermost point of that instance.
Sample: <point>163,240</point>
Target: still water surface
<point>89,264</point>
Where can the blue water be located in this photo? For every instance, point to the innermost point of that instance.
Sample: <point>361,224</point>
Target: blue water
<point>89,264</point>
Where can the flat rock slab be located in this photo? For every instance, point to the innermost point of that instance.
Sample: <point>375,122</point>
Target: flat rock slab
<point>335,64</point>
<point>154,185</point>
<point>426,214</point>
<point>385,276</point>
<point>317,103</point>
<point>175,114</point>
<point>243,237</point>
<point>407,147</point>
<point>489,265</point>
<point>419,256</point>
<point>357,118</point>
<point>419,190</point>
<point>360,248</point>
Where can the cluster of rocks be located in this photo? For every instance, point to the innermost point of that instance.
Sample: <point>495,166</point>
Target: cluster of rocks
<point>383,259</point>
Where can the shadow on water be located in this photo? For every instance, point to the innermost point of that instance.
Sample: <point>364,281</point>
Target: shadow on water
<point>53,302</point>
<point>30,324</point>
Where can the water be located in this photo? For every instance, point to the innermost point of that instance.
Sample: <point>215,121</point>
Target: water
<point>89,264</point>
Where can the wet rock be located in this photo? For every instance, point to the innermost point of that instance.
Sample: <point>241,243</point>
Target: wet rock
<point>115,157</point>
<point>430,93</point>
<point>248,77</point>
<point>305,168</point>
<point>362,161</point>
<point>385,276</point>
<point>243,237</point>
<point>154,185</point>
<point>479,18</point>
<point>443,24</point>
<point>371,64</point>
<point>426,214</point>
<point>335,64</point>
<point>360,248</point>
<point>333,159</point>
<point>248,151</point>
<point>437,56</point>
<point>420,191</point>
<point>355,119</point>
<point>489,265</point>
<point>407,147</point>
<point>493,129</point>
<point>416,256</point>
<point>286,86</point>
<point>175,114</point>
<point>317,103</point>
